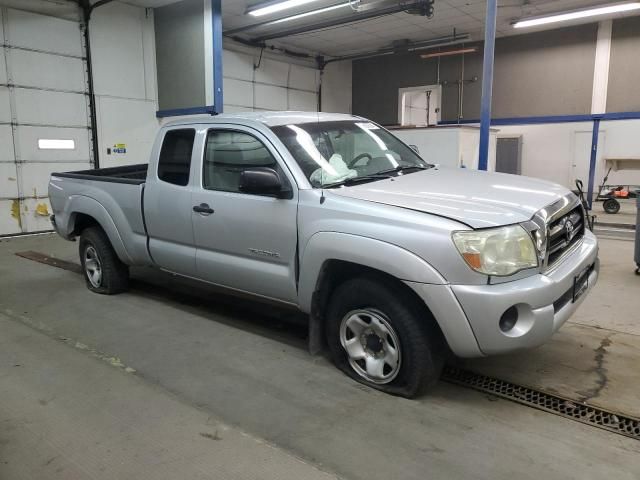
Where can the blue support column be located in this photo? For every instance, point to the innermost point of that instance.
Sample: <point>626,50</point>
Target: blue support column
<point>216,18</point>
<point>594,159</point>
<point>487,82</point>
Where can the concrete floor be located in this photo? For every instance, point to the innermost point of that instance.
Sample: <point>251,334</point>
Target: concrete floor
<point>117,387</point>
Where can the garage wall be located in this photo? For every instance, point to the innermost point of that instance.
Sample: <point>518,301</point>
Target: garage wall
<point>251,83</point>
<point>624,66</point>
<point>282,83</point>
<point>381,77</point>
<point>43,95</point>
<point>546,73</point>
<point>123,57</point>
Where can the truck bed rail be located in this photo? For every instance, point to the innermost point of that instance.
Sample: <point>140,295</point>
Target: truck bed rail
<point>132,174</point>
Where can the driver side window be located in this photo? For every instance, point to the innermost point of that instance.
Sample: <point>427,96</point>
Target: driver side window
<point>228,153</point>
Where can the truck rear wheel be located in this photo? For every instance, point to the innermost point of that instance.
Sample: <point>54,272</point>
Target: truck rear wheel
<point>103,271</point>
<point>379,336</point>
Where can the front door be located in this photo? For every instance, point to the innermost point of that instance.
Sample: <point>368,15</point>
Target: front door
<point>244,241</point>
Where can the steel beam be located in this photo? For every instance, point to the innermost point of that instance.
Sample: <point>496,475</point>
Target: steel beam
<point>487,82</point>
<point>592,163</point>
<point>216,18</point>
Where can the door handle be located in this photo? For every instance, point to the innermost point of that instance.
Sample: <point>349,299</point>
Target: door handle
<point>203,209</point>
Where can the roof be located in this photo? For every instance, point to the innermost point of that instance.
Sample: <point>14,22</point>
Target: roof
<point>270,119</point>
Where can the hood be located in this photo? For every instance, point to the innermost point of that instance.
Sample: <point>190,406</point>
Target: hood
<point>478,199</point>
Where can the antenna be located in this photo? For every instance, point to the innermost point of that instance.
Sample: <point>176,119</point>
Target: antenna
<point>322,197</point>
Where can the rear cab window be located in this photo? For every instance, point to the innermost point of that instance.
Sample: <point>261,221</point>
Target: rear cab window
<point>174,163</point>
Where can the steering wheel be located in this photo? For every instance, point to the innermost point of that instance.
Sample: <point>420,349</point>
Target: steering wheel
<point>360,157</point>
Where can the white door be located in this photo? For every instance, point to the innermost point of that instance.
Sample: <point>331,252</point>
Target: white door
<point>419,106</point>
<point>44,114</point>
<point>582,158</point>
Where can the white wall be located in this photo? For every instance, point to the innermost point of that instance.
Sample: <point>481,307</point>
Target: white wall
<point>123,59</point>
<point>450,146</point>
<point>282,82</point>
<point>549,150</point>
<point>622,141</point>
<point>336,87</point>
<point>277,84</point>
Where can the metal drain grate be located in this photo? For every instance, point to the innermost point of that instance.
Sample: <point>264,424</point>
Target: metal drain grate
<point>596,417</point>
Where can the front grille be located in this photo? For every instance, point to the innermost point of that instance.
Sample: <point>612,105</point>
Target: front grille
<point>563,233</point>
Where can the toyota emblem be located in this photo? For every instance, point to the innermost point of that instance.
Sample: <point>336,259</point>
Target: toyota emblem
<point>568,228</point>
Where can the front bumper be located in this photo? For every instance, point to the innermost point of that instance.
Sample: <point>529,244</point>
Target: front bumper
<point>543,301</point>
<point>469,315</point>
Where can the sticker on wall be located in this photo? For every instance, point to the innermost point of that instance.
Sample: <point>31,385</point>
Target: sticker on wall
<point>120,148</point>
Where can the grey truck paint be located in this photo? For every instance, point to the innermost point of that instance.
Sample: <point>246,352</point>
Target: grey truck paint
<point>277,248</point>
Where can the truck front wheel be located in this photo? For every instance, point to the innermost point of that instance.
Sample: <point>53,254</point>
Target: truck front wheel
<point>103,271</point>
<point>380,336</point>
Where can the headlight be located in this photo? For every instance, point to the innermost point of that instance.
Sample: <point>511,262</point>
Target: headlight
<point>497,251</point>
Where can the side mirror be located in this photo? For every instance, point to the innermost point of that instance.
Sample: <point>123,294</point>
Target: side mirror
<point>263,181</point>
<point>414,148</point>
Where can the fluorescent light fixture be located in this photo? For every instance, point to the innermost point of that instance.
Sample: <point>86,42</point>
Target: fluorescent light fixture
<point>565,17</point>
<point>313,12</point>
<point>56,144</point>
<point>266,8</point>
<point>448,53</point>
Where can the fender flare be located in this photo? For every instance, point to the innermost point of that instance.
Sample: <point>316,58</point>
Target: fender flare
<point>81,204</point>
<point>385,257</point>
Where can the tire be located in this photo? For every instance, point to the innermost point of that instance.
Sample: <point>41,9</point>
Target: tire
<point>611,205</point>
<point>103,271</point>
<point>383,310</point>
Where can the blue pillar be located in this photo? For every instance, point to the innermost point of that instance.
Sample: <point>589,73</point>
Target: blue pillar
<point>216,18</point>
<point>487,82</point>
<point>594,158</point>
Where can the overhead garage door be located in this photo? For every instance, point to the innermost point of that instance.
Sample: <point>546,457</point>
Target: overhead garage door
<point>44,114</point>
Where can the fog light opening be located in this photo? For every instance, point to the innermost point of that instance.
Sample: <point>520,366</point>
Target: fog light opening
<point>508,319</point>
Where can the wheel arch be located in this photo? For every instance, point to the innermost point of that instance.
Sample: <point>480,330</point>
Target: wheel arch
<point>332,258</point>
<point>88,212</point>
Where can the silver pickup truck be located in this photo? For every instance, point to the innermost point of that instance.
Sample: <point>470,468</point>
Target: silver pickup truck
<point>396,261</point>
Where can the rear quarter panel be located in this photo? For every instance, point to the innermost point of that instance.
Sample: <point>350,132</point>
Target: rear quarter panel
<point>117,207</point>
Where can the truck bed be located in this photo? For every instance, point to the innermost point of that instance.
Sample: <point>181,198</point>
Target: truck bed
<point>113,197</point>
<point>132,174</point>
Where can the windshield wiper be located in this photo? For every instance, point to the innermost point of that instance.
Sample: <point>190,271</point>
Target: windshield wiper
<point>356,180</point>
<point>405,168</point>
<point>377,176</point>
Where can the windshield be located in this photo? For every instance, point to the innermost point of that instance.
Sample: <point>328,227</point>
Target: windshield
<point>334,153</point>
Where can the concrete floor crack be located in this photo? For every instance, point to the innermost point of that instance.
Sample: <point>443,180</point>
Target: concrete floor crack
<point>600,370</point>
<point>48,331</point>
